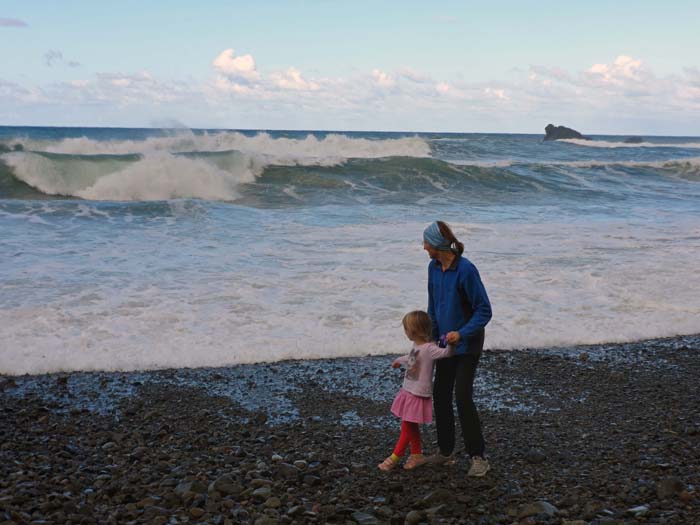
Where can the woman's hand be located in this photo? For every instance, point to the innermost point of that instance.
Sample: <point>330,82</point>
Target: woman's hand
<point>453,338</point>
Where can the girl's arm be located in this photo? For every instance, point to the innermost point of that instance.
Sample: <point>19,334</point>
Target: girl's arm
<point>400,361</point>
<point>440,353</point>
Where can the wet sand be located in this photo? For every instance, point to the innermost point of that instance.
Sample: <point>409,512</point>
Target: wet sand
<point>582,435</point>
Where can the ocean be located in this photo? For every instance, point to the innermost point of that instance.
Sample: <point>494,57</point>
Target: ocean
<point>130,249</point>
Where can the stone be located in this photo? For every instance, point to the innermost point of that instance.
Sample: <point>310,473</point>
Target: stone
<point>538,507</point>
<point>301,464</point>
<point>259,482</point>
<point>669,487</point>
<point>287,471</point>
<point>364,519</point>
<point>191,486</point>
<point>272,503</point>
<point>535,456</point>
<point>413,518</point>
<point>311,480</point>
<point>638,511</point>
<point>262,492</point>
<point>225,485</point>
<point>196,512</point>
<point>385,512</point>
<point>266,520</point>
<point>296,510</point>
<point>438,496</point>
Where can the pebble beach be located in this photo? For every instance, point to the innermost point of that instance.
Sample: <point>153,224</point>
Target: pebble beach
<point>604,434</point>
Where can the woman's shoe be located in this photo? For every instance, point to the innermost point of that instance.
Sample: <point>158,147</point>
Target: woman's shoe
<point>387,464</point>
<point>415,461</point>
<point>479,467</point>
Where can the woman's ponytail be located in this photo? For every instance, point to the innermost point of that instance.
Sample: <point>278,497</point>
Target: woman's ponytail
<point>455,246</point>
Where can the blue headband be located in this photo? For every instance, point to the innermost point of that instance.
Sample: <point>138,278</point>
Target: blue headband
<point>434,238</point>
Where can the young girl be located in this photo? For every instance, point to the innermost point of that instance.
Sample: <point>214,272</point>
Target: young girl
<point>413,403</point>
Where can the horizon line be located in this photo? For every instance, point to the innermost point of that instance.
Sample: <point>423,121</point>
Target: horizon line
<point>302,130</point>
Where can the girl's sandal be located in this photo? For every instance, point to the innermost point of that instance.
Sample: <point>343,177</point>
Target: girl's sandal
<point>387,464</point>
<point>415,461</point>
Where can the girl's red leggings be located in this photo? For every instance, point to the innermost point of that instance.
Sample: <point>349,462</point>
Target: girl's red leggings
<point>410,433</point>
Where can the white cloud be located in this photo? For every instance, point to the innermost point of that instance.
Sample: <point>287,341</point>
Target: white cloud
<point>240,68</point>
<point>622,71</point>
<point>624,88</point>
<point>499,94</point>
<point>382,79</point>
<point>292,79</point>
<point>443,88</point>
<point>414,76</point>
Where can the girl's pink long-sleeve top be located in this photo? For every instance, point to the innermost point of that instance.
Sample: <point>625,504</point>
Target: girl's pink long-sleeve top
<point>419,364</point>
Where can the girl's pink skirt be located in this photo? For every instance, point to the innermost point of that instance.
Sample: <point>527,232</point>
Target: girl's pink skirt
<point>410,407</point>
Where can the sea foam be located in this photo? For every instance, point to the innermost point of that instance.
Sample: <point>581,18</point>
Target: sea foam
<point>186,165</point>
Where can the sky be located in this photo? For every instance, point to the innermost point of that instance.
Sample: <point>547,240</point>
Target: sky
<point>629,67</point>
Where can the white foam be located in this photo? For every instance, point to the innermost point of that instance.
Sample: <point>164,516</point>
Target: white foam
<point>331,149</point>
<point>161,174</point>
<point>271,289</point>
<point>165,177</point>
<point>614,144</point>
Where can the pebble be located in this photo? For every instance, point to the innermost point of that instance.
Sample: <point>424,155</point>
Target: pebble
<point>669,487</point>
<point>538,507</point>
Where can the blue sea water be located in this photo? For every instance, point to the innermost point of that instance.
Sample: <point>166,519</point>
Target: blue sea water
<point>140,248</point>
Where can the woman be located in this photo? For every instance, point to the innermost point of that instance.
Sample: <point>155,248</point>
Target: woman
<point>460,309</point>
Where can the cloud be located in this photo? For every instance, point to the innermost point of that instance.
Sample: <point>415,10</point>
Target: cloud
<point>443,88</point>
<point>292,79</point>
<point>623,71</point>
<point>499,94</point>
<point>414,76</point>
<point>382,79</point>
<point>12,22</point>
<point>241,68</point>
<point>623,88</point>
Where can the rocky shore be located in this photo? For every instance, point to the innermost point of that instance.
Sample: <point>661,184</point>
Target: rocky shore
<point>586,435</point>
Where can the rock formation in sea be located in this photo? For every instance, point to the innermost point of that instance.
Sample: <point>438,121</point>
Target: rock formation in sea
<point>553,132</point>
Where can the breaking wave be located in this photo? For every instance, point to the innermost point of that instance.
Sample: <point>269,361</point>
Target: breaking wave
<point>622,144</point>
<point>231,166</point>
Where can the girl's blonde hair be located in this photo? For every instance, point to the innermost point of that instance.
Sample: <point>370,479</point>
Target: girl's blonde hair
<point>418,325</point>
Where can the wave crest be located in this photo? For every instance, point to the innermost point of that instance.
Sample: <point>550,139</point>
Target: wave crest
<point>611,144</point>
<point>185,165</point>
<point>333,148</point>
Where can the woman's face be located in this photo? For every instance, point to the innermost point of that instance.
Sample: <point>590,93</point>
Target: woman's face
<point>432,252</point>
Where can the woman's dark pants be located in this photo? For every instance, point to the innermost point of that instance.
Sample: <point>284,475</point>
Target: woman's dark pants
<point>455,375</point>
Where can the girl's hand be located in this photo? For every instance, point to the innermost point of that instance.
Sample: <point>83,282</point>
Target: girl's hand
<point>453,338</point>
<point>395,364</point>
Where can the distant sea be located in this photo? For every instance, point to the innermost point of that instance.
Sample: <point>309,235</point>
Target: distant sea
<point>125,249</point>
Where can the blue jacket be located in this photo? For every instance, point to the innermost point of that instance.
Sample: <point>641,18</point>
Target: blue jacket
<point>457,301</point>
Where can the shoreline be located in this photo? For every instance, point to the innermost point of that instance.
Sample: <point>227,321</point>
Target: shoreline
<point>572,348</point>
<point>601,433</point>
